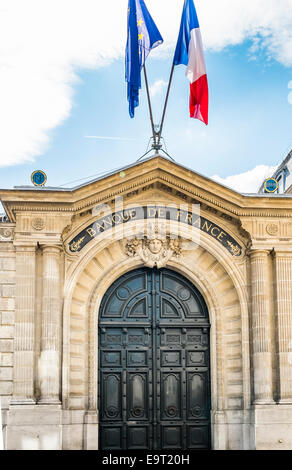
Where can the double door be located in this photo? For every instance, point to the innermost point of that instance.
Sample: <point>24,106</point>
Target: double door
<point>154,378</point>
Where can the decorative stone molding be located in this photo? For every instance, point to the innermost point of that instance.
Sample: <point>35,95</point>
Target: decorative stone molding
<point>6,234</point>
<point>66,230</point>
<point>155,251</point>
<point>181,183</point>
<point>38,223</point>
<point>75,246</point>
<point>272,229</point>
<point>235,249</point>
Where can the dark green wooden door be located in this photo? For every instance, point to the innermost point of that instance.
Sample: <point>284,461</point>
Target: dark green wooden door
<point>154,377</point>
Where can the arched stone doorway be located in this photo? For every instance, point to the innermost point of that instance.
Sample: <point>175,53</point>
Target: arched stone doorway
<point>154,363</point>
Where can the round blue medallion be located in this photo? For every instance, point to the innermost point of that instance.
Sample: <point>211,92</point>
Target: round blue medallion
<point>38,178</point>
<point>271,185</point>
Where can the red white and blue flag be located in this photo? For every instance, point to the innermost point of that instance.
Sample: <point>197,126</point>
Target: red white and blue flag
<point>189,51</point>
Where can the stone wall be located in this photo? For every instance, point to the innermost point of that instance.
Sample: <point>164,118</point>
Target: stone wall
<point>50,298</point>
<point>7,306</point>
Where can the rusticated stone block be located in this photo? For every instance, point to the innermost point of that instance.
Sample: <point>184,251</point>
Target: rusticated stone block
<point>6,359</point>
<point>8,291</point>
<point>7,264</point>
<point>7,318</point>
<point>6,373</point>
<point>5,401</point>
<point>7,277</point>
<point>7,304</point>
<point>6,388</point>
<point>6,345</point>
<point>6,332</point>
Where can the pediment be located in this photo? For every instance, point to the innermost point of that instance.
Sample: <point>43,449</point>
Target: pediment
<point>127,182</point>
<point>157,194</point>
<point>156,178</point>
<point>156,204</point>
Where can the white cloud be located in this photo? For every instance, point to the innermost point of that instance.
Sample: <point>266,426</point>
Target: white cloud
<point>101,137</point>
<point>44,43</point>
<point>157,87</point>
<point>248,182</point>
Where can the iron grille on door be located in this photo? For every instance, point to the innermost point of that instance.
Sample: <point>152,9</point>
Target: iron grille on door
<point>154,378</point>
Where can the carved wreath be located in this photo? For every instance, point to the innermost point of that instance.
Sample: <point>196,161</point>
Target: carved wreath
<point>6,233</point>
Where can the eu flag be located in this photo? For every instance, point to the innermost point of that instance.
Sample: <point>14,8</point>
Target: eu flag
<point>143,36</point>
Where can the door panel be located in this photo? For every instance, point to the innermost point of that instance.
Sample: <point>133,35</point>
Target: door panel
<point>112,393</point>
<point>137,408</point>
<point>154,378</point>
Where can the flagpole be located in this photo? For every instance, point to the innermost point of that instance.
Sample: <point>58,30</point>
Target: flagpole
<point>165,104</point>
<point>149,105</point>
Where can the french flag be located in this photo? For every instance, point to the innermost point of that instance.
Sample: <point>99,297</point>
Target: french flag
<point>189,51</point>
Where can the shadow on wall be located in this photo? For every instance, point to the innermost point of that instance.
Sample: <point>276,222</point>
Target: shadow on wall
<point>1,429</point>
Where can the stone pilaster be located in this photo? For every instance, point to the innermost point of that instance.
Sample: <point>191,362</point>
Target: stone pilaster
<point>24,339</point>
<point>261,327</point>
<point>49,362</point>
<point>283,271</point>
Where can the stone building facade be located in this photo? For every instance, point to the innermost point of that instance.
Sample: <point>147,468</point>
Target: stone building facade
<point>65,254</point>
<point>283,175</point>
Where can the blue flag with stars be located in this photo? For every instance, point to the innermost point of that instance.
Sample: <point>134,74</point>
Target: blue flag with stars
<point>143,36</point>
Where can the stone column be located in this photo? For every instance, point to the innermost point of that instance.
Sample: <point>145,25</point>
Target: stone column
<point>283,270</point>
<point>49,362</point>
<point>261,327</point>
<point>24,337</point>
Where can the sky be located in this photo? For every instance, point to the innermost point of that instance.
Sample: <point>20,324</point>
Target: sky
<point>63,104</point>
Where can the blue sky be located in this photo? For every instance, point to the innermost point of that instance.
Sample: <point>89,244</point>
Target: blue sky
<point>250,117</point>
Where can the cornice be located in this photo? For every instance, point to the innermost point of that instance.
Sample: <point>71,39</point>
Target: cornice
<point>156,170</point>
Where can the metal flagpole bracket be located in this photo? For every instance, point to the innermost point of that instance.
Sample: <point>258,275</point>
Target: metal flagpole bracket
<point>157,147</point>
<point>156,129</point>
